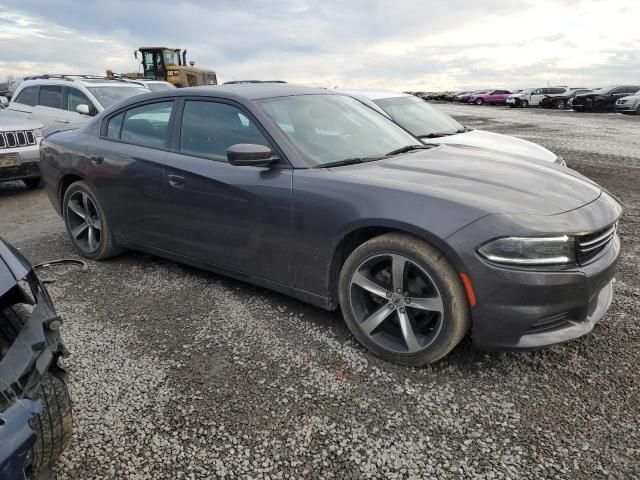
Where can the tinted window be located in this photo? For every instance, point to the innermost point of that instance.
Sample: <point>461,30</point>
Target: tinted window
<point>114,125</point>
<point>75,97</point>
<point>51,96</point>
<point>210,128</point>
<point>28,96</point>
<point>147,125</point>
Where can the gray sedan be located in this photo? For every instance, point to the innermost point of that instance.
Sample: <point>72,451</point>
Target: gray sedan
<point>313,194</point>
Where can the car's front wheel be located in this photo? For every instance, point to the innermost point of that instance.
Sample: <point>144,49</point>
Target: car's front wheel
<point>479,101</point>
<point>524,103</point>
<point>87,224</point>
<point>402,300</point>
<point>560,104</point>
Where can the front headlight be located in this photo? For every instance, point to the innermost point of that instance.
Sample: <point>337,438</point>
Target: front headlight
<point>37,133</point>
<point>560,161</point>
<point>530,250</point>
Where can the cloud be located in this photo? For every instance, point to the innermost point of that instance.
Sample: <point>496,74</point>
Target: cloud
<point>363,44</point>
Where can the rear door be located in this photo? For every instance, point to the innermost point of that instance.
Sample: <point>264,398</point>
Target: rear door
<point>51,109</point>
<point>125,166</point>
<point>233,217</point>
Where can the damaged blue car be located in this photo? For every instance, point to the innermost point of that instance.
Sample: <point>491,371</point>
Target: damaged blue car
<point>35,407</point>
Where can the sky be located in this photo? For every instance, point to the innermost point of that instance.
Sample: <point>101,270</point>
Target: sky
<point>381,44</point>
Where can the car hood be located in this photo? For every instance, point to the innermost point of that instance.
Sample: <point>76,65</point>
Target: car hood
<point>488,181</point>
<point>10,121</point>
<point>631,98</point>
<point>496,141</point>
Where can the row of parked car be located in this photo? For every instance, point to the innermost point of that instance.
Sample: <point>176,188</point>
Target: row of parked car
<point>620,98</point>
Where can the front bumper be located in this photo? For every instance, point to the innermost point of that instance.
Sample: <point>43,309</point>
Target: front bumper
<point>626,107</point>
<point>27,159</point>
<point>527,308</point>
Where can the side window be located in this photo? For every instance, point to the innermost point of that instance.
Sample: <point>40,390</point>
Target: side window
<point>28,96</point>
<point>114,126</point>
<point>51,96</point>
<point>537,91</point>
<point>75,97</point>
<point>208,129</point>
<point>146,125</point>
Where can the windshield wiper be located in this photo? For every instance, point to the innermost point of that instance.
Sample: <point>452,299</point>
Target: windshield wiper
<point>347,161</point>
<point>436,135</point>
<point>406,149</point>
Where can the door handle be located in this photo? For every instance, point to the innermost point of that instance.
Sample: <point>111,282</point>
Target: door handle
<point>96,159</point>
<point>60,120</point>
<point>176,181</point>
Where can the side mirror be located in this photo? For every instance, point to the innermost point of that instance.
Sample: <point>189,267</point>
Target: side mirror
<point>4,101</point>
<point>83,109</point>
<point>246,154</point>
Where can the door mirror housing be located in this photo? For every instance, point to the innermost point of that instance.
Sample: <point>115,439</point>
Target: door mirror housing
<point>4,101</point>
<point>247,154</point>
<point>83,109</point>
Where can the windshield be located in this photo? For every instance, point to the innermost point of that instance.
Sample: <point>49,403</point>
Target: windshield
<point>331,128</point>
<point>108,96</point>
<point>418,116</point>
<point>171,57</point>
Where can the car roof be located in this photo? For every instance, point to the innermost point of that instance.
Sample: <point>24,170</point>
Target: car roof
<point>375,94</point>
<point>244,91</point>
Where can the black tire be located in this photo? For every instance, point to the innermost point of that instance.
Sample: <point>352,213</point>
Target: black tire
<point>524,103</point>
<point>106,245</point>
<point>560,104</point>
<point>33,183</point>
<point>54,425</point>
<point>455,318</point>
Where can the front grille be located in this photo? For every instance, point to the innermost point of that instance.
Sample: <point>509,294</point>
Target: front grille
<point>592,244</point>
<point>20,138</point>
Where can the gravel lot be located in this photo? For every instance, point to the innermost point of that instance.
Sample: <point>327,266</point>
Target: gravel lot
<point>178,373</point>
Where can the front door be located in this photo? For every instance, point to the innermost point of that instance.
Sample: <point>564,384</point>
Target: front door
<point>125,165</point>
<point>229,216</point>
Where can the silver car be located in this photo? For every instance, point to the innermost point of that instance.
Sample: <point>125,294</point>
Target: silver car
<point>629,105</point>
<point>19,149</point>
<point>433,126</point>
<point>69,99</point>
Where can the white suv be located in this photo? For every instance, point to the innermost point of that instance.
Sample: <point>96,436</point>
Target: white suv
<point>61,99</point>
<point>532,96</point>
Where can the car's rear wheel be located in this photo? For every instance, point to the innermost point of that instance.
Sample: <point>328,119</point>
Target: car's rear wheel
<point>87,224</point>
<point>33,183</point>
<point>479,101</point>
<point>54,425</point>
<point>524,103</point>
<point>560,104</point>
<point>402,300</point>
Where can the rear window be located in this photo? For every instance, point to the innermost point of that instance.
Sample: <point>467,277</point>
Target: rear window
<point>28,96</point>
<point>51,96</point>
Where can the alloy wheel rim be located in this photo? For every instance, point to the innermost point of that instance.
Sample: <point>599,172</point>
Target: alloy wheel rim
<point>560,105</point>
<point>85,225</point>
<point>396,303</point>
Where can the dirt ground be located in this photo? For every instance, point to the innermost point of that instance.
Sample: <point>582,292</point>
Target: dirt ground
<point>179,373</point>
